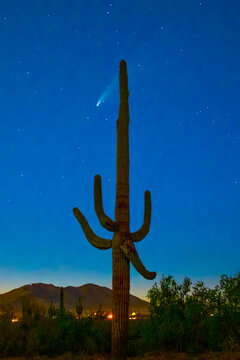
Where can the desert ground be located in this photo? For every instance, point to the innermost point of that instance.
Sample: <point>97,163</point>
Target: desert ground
<point>152,356</point>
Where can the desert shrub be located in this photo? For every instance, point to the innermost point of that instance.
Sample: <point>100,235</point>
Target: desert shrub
<point>193,320</point>
<point>196,319</point>
<point>136,338</point>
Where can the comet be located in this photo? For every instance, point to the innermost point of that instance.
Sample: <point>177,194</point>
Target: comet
<point>109,89</point>
<point>101,100</point>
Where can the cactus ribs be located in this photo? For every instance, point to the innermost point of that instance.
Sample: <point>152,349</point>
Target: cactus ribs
<point>122,243</point>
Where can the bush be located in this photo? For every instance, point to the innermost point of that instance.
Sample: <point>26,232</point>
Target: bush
<point>197,319</point>
<point>192,320</point>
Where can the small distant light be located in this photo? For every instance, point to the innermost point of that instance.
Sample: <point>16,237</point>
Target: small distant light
<point>110,316</point>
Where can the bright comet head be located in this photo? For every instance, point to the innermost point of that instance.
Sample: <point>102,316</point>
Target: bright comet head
<point>99,102</point>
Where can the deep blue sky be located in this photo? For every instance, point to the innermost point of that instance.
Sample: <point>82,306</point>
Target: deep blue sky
<point>57,58</point>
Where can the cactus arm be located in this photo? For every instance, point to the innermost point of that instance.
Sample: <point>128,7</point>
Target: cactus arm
<point>143,231</point>
<point>104,220</point>
<point>95,240</point>
<point>131,253</point>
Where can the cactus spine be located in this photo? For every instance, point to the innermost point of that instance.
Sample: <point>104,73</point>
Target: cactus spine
<point>122,243</point>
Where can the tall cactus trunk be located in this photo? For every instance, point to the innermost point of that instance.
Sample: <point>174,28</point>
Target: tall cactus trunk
<point>120,285</point>
<point>122,243</point>
<point>121,273</point>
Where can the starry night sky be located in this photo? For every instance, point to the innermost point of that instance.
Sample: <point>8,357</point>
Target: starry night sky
<point>57,59</point>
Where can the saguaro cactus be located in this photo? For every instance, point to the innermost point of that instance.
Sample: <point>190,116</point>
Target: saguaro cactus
<point>122,243</point>
<point>61,300</point>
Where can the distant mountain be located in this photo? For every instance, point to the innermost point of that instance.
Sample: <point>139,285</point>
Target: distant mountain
<point>92,297</point>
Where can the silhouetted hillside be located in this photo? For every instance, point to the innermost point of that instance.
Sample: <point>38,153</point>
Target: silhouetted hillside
<point>91,295</point>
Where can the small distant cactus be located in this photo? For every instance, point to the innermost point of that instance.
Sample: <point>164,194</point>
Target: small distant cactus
<point>79,308</point>
<point>52,311</point>
<point>122,243</point>
<point>61,300</point>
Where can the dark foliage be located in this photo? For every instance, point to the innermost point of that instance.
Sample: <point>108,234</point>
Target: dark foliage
<point>195,319</point>
<point>38,334</point>
<point>183,318</point>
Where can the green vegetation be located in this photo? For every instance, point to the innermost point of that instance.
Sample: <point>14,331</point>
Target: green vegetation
<point>195,319</point>
<point>184,318</point>
<point>36,334</point>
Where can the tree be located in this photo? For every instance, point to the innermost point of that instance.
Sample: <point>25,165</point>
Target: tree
<point>167,306</point>
<point>230,285</point>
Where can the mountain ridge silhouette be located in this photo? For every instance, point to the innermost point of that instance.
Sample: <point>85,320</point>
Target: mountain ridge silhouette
<point>92,296</point>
